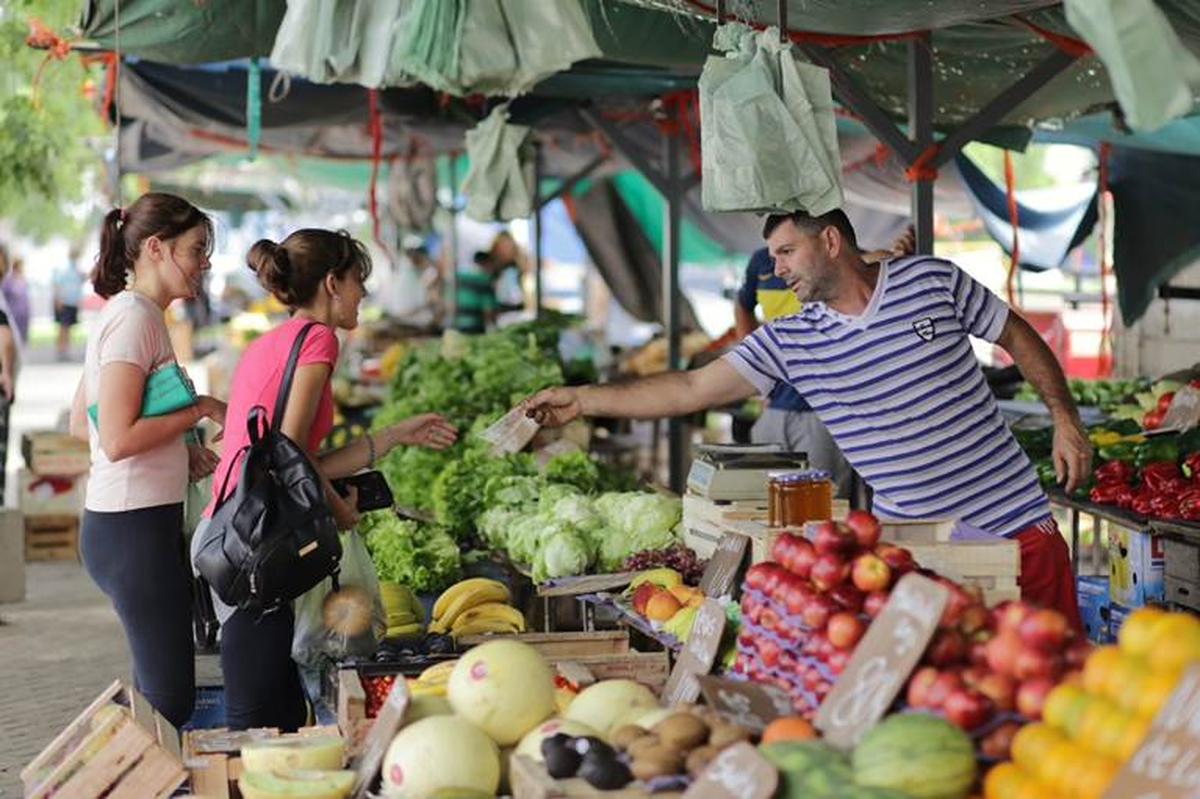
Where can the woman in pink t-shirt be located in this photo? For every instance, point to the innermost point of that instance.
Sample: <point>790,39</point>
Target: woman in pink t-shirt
<point>319,275</point>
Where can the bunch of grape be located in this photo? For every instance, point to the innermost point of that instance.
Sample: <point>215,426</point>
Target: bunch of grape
<point>678,557</point>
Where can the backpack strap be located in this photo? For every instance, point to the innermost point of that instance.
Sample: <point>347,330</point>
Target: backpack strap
<point>285,384</point>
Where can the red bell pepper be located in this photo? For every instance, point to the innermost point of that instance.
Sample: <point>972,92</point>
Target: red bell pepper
<point>1191,465</point>
<point>1106,493</point>
<point>1164,506</point>
<point>1164,402</point>
<point>1152,419</point>
<point>1124,497</point>
<point>1114,471</point>
<point>1189,506</point>
<point>1155,475</point>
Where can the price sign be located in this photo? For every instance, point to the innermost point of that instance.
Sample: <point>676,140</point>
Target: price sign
<point>387,724</point>
<point>739,772</point>
<point>723,566</point>
<point>1167,764</point>
<point>883,660</point>
<point>697,657</point>
<point>1184,411</point>
<point>511,432</point>
<point>751,705</point>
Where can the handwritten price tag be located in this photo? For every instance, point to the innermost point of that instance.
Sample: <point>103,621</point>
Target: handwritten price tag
<point>697,657</point>
<point>1167,764</point>
<point>723,567</point>
<point>882,661</point>
<point>747,704</point>
<point>739,772</point>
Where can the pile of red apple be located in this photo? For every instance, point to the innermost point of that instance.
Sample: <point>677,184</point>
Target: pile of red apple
<point>983,666</point>
<point>803,613</point>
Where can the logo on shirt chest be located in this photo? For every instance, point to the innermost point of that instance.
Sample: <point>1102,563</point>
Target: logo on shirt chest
<point>925,328</point>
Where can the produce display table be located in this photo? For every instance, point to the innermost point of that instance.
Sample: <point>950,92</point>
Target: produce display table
<point>1108,513</point>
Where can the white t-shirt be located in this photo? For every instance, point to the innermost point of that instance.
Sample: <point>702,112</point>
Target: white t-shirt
<point>130,329</point>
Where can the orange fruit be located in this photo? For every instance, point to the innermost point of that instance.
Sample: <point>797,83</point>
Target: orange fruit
<point>1156,688</point>
<point>1004,781</point>
<point>1037,790</point>
<point>1111,733</point>
<point>1131,738</point>
<point>1124,677</point>
<point>1030,744</point>
<point>1094,777</point>
<point>1095,718</point>
<point>1064,705</point>
<point>1058,765</point>
<point>1136,637</point>
<point>1176,642</point>
<point>1100,664</point>
<point>788,728</point>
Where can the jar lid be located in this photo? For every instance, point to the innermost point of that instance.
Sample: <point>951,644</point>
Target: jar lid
<point>788,478</point>
<point>812,475</point>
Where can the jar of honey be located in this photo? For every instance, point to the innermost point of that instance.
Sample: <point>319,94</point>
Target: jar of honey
<point>775,488</point>
<point>802,497</point>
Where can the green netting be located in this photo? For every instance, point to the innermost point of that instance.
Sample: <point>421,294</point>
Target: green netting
<point>186,32</point>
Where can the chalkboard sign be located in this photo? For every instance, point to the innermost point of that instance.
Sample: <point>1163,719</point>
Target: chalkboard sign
<point>697,656</point>
<point>1167,764</point>
<point>883,660</point>
<point>752,705</point>
<point>723,566</point>
<point>739,772</point>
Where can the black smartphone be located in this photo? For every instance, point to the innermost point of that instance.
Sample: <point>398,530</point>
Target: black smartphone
<point>374,493</point>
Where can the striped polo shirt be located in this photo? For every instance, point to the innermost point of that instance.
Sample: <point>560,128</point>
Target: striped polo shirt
<point>905,399</point>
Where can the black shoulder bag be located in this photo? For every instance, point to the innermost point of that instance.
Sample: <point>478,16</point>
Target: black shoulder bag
<point>275,536</point>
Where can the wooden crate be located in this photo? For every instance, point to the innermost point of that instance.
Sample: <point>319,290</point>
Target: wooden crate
<point>53,453</point>
<point>213,761</point>
<point>118,747</point>
<point>557,646</point>
<point>51,538</point>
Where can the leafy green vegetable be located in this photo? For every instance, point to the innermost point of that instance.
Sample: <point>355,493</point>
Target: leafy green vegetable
<point>459,491</point>
<point>565,551</point>
<point>573,468</point>
<point>423,557</point>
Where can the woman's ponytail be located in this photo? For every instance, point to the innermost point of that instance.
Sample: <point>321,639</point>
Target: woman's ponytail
<point>108,278</point>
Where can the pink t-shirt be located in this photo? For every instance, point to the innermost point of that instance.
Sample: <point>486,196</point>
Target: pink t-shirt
<point>256,382</point>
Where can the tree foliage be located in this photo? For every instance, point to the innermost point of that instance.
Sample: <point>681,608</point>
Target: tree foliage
<point>51,137</point>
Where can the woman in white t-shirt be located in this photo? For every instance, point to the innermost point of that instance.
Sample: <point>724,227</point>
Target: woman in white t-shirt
<point>152,253</point>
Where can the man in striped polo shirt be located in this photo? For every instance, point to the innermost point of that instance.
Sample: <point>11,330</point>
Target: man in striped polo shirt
<point>881,353</point>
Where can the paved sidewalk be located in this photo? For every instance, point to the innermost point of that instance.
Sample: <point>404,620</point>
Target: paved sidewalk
<point>58,649</point>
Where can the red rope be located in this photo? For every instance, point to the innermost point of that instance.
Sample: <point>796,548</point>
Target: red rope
<point>1068,44</point>
<point>375,129</point>
<point>682,106</point>
<point>109,60</point>
<point>1102,198</point>
<point>1010,191</point>
<point>920,168</point>
<point>41,37</point>
<point>828,39</point>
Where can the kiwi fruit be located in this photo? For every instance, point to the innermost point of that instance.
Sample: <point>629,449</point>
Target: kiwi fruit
<point>658,761</point>
<point>699,758</point>
<point>626,734</point>
<point>723,735</point>
<point>682,731</point>
<point>642,744</point>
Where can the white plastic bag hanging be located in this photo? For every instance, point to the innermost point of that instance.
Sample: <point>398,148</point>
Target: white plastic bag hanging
<point>769,135</point>
<point>351,621</point>
<point>499,182</point>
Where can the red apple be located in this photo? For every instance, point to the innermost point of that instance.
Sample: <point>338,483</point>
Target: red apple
<point>1002,653</point>
<point>1000,689</point>
<point>1031,696</point>
<point>997,744</point>
<point>781,550</point>
<point>947,682</point>
<point>1044,630</point>
<point>797,595</point>
<point>768,652</point>
<point>1077,654</point>
<point>848,597</point>
<point>811,678</point>
<point>977,650</point>
<point>919,686</point>
<point>874,603</point>
<point>826,649</point>
<point>837,662</point>
<point>973,675</point>
<point>804,554</point>
<point>830,538</point>
<point>947,648</point>
<point>967,709</point>
<point>870,573</point>
<point>829,571</point>
<point>956,606</point>
<point>1031,663</point>
<point>865,528</point>
<point>1008,615</point>
<point>974,619</point>
<point>844,630</point>
<point>898,559</point>
<point>817,610</point>
<point>756,575</point>
<point>641,596</point>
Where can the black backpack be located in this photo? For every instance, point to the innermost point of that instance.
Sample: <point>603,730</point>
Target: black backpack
<point>275,536</point>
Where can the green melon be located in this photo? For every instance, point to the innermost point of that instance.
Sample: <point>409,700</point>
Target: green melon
<point>924,756</point>
<point>808,769</point>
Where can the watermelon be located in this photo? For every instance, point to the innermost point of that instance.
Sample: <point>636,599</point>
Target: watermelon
<point>924,756</point>
<point>808,769</point>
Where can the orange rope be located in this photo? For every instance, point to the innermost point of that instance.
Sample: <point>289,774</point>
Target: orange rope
<point>1102,199</point>
<point>1010,191</point>
<point>682,106</point>
<point>1068,44</point>
<point>42,37</point>
<point>828,39</point>
<point>920,168</point>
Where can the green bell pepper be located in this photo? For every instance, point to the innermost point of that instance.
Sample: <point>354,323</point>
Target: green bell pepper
<point>1124,451</point>
<point>1159,448</point>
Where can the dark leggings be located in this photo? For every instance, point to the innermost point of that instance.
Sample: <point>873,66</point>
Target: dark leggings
<point>137,558</point>
<point>262,686</point>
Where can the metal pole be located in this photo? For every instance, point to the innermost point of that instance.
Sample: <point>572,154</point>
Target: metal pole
<point>452,240</point>
<point>670,298</point>
<point>920,129</point>
<point>537,229</point>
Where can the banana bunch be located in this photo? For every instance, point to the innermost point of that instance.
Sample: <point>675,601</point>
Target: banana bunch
<point>405,614</point>
<point>432,681</point>
<point>680,625</point>
<point>475,606</point>
<point>661,577</point>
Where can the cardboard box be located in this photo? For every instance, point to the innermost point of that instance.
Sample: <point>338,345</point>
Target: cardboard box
<point>1116,617</point>
<point>12,556</point>
<point>1092,592</point>
<point>49,496</point>
<point>53,452</point>
<point>1135,561</point>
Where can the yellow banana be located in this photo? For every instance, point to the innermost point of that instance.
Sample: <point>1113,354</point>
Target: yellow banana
<point>482,626</point>
<point>463,596</point>
<point>418,688</point>
<point>439,672</point>
<point>662,577</point>
<point>396,618</point>
<point>403,629</point>
<point>491,610</point>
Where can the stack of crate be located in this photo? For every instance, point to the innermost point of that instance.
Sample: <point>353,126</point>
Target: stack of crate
<point>51,493</point>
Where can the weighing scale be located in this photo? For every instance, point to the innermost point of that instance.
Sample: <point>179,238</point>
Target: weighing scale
<point>739,472</point>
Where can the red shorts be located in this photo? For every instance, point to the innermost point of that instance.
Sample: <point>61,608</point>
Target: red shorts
<point>1046,576</point>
